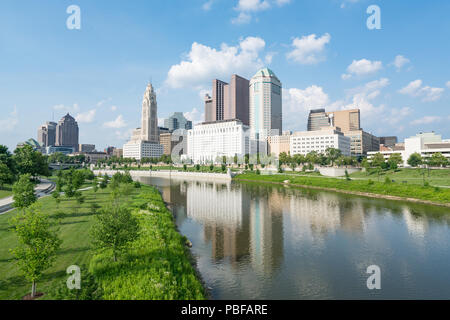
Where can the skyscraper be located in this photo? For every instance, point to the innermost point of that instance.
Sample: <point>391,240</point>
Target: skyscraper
<point>237,99</point>
<point>47,134</point>
<point>67,132</point>
<point>347,120</point>
<point>265,106</point>
<point>318,119</point>
<point>219,96</point>
<point>177,121</point>
<point>208,108</point>
<point>145,140</point>
<point>149,128</point>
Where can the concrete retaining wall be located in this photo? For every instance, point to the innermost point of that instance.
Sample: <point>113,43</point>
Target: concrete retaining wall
<point>171,174</point>
<point>336,172</point>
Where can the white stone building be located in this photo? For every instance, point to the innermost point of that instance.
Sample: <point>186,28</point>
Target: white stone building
<point>209,141</point>
<point>426,144</point>
<point>307,141</point>
<point>145,140</point>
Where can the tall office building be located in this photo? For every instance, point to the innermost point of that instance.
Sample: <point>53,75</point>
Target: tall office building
<point>265,106</point>
<point>149,128</point>
<point>47,134</point>
<point>67,132</point>
<point>237,99</point>
<point>318,119</point>
<point>145,140</point>
<point>347,120</point>
<point>208,108</point>
<point>177,121</point>
<point>219,94</point>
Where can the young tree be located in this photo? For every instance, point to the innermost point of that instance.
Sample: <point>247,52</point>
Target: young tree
<point>23,192</point>
<point>378,160</point>
<point>30,161</point>
<point>438,160</point>
<point>395,160</point>
<point>37,244</point>
<point>114,229</point>
<point>415,160</point>
<point>56,195</point>
<point>6,176</point>
<point>333,154</point>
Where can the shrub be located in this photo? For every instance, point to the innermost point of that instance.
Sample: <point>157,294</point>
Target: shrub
<point>89,289</point>
<point>257,171</point>
<point>137,185</point>
<point>387,180</point>
<point>370,182</point>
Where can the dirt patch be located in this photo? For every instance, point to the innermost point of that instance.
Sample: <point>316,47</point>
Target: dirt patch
<point>36,296</point>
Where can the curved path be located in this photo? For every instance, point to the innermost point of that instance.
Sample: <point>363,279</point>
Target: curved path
<point>42,189</point>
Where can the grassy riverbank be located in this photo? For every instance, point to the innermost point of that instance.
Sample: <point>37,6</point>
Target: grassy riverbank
<point>406,191</point>
<point>157,260</point>
<point>6,191</point>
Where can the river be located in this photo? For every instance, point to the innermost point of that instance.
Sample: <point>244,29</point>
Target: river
<point>261,241</point>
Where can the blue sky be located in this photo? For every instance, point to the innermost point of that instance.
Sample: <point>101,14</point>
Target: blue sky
<point>321,50</point>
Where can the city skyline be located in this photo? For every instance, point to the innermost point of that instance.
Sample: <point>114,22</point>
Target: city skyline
<point>323,54</point>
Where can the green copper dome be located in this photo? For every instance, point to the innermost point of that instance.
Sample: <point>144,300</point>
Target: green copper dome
<point>266,72</point>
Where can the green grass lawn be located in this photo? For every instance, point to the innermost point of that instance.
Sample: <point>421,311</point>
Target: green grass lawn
<point>75,249</point>
<point>438,195</point>
<point>5,191</point>
<point>412,176</point>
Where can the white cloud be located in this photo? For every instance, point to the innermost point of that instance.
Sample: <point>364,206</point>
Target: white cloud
<point>362,67</point>
<point>113,108</point>
<point>204,63</point>
<point>397,115</point>
<point>116,124</point>
<point>308,49</point>
<point>86,117</point>
<point>400,61</point>
<point>246,7</point>
<point>102,102</point>
<point>195,116</point>
<point>427,93</point>
<point>426,120</point>
<point>10,122</point>
<point>62,107</point>
<point>298,102</point>
<point>207,5</point>
<point>123,135</point>
<point>448,84</point>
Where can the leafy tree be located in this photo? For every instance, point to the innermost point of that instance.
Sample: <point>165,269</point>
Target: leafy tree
<point>395,160</point>
<point>30,161</point>
<point>95,185</point>
<point>6,176</point>
<point>415,160</point>
<point>438,160</point>
<point>114,229</point>
<point>37,244</point>
<point>56,195</point>
<point>365,164</point>
<point>23,192</point>
<point>211,167</point>
<point>7,159</point>
<point>378,160</point>
<point>333,154</point>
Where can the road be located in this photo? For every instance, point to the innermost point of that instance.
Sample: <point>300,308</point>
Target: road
<point>45,187</point>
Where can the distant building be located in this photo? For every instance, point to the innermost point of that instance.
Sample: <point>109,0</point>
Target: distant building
<point>265,105</point>
<point>67,132</point>
<point>169,141</point>
<point>109,150</point>
<point>163,130</point>
<point>86,147</point>
<point>426,144</point>
<point>318,119</point>
<point>177,121</point>
<point>319,141</point>
<point>210,141</point>
<point>47,134</point>
<point>60,149</point>
<point>237,100</point>
<point>118,153</point>
<point>388,141</point>
<point>209,109</point>
<point>346,120</point>
<point>145,140</point>
<point>218,99</point>
<point>362,142</point>
<point>279,144</point>
<point>33,143</point>
<point>93,157</point>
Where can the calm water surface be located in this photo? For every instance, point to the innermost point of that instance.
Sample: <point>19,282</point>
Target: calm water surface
<point>272,242</point>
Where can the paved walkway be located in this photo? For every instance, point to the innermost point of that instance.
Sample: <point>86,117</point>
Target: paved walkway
<point>42,189</point>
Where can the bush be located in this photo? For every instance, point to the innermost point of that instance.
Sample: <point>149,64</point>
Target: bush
<point>137,185</point>
<point>387,180</point>
<point>370,182</point>
<point>257,171</point>
<point>89,290</point>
